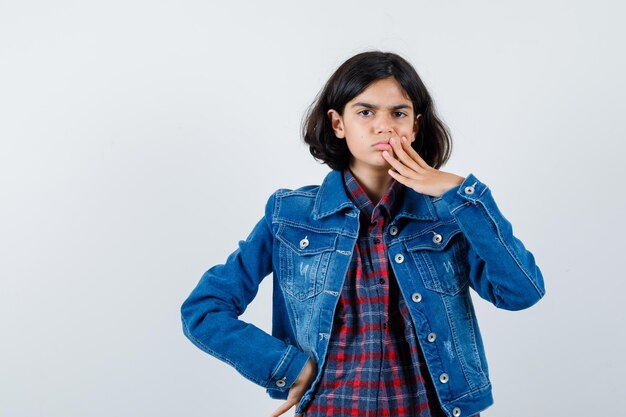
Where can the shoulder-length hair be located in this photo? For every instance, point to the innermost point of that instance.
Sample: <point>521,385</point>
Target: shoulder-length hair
<point>433,142</point>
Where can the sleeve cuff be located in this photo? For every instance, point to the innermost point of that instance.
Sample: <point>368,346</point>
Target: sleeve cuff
<point>288,370</point>
<point>469,191</point>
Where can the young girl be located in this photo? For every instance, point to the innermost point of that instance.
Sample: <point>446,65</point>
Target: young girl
<point>372,313</point>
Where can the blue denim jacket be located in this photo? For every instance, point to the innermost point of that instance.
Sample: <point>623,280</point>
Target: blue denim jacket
<point>438,248</point>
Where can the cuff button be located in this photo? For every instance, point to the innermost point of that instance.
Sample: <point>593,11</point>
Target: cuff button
<point>281,382</point>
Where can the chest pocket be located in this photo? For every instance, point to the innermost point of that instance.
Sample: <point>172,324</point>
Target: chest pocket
<point>304,258</point>
<point>440,255</point>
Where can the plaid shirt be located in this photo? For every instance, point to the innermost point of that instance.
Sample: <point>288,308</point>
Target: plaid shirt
<point>374,366</point>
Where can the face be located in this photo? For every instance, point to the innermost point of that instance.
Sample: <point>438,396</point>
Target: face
<point>370,119</point>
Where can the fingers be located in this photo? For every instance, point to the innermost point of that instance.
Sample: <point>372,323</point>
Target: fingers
<point>405,153</point>
<point>400,168</point>
<point>416,156</point>
<point>404,149</point>
<point>284,408</point>
<point>403,163</point>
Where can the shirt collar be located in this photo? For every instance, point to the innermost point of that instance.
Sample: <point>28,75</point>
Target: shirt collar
<point>332,197</point>
<point>359,197</point>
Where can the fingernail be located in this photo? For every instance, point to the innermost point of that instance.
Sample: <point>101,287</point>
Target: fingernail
<point>392,141</point>
<point>403,139</point>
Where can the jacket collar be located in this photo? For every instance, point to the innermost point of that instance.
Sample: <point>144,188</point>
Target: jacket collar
<point>332,197</point>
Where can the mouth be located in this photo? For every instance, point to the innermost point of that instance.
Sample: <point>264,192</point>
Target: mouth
<point>382,146</point>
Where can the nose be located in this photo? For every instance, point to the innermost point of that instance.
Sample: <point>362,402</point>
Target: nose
<point>384,124</point>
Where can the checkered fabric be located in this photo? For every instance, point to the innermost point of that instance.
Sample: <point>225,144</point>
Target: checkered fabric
<point>374,366</point>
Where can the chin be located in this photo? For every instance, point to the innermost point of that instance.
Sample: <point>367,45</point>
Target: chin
<point>381,164</point>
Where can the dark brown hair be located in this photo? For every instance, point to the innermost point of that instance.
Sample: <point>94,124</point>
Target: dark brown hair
<point>433,141</point>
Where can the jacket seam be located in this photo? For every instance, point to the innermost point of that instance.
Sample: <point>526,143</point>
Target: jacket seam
<point>280,363</point>
<point>471,392</point>
<point>511,253</point>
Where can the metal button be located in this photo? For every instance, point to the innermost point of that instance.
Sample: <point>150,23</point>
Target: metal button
<point>456,411</point>
<point>437,238</point>
<point>443,378</point>
<point>393,230</point>
<point>417,297</point>
<point>399,258</point>
<point>304,243</point>
<point>431,337</point>
<point>281,382</point>
<point>470,189</point>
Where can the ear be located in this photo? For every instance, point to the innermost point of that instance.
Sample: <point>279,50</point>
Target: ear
<point>336,121</point>
<point>416,125</point>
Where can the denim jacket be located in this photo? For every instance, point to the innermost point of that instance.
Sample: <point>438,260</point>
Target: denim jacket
<point>438,247</point>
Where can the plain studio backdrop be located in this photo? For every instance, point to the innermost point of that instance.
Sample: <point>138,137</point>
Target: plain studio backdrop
<point>141,139</point>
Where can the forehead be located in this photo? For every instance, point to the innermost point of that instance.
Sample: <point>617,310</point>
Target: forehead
<point>384,91</point>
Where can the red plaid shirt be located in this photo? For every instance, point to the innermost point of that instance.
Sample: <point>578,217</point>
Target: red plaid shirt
<point>374,365</point>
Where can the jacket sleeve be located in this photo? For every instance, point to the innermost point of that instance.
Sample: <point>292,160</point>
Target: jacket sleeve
<point>210,313</point>
<point>502,270</point>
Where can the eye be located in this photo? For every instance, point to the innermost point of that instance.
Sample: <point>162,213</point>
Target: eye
<point>400,114</point>
<point>361,112</point>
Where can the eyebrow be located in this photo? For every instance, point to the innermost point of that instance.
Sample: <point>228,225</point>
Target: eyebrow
<point>372,106</point>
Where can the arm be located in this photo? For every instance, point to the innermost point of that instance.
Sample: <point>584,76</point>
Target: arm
<point>210,313</point>
<point>502,270</point>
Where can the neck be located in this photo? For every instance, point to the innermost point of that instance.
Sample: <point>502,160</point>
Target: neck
<point>374,180</point>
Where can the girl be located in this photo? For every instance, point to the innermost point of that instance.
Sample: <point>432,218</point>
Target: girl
<point>372,313</point>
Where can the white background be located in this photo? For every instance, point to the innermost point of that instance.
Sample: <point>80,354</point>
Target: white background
<point>141,139</point>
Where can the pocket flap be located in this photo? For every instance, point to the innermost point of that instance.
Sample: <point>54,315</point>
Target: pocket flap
<point>305,241</point>
<point>434,238</point>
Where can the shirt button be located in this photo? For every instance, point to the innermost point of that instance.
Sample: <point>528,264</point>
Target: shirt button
<point>456,411</point>
<point>281,382</point>
<point>376,240</point>
<point>304,243</point>
<point>432,337</point>
<point>437,238</point>
<point>399,258</point>
<point>384,325</point>
<point>469,189</point>
<point>443,378</point>
<point>393,230</point>
<point>417,297</point>
<point>382,280</point>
